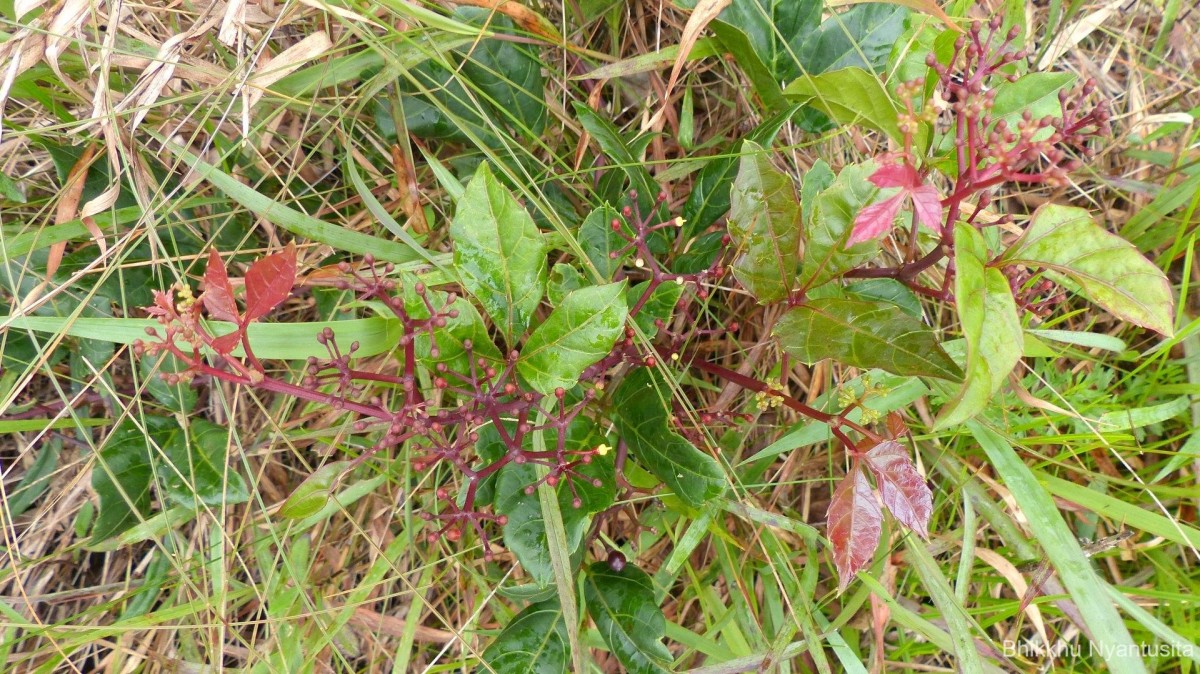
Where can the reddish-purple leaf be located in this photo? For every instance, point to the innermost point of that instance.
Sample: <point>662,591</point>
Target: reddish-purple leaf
<point>269,281</point>
<point>876,220</point>
<point>227,343</point>
<point>901,487</point>
<point>854,525</point>
<point>896,175</point>
<point>218,294</point>
<point>927,204</point>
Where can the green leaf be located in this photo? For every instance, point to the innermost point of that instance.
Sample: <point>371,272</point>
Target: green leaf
<point>37,478</point>
<point>773,29</point>
<point>849,96</point>
<point>598,240</point>
<point>764,226</point>
<point>535,642</point>
<point>887,290</point>
<point>694,476</point>
<point>1107,269</point>
<point>564,279</point>
<point>863,334</point>
<point>1140,417</point>
<point>1035,92</point>
<point>620,153</point>
<point>579,332</point>
<point>988,315</point>
<point>313,493</point>
<point>814,181</point>
<point>122,474</point>
<point>700,254</point>
<point>659,306</point>
<point>862,36</point>
<point>709,198</point>
<point>288,341</point>
<point>629,620</point>
<point>437,105</point>
<point>749,59</point>
<point>450,339</point>
<point>834,208</point>
<point>10,190</point>
<point>525,531</point>
<point>508,73</point>
<point>179,397</point>
<point>196,471</point>
<point>499,253</point>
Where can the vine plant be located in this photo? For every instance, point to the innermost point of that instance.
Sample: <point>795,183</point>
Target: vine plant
<point>566,399</point>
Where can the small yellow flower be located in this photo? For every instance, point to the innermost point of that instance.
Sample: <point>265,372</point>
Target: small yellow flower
<point>186,298</point>
<point>603,449</point>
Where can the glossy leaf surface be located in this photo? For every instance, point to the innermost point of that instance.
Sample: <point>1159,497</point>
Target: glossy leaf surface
<point>863,334</point>
<point>988,315</point>
<point>1108,270</point>
<point>849,96</point>
<point>827,254</point>
<point>855,522</point>
<point>659,306</point>
<point>764,226</point>
<point>499,253</point>
<point>598,240</point>
<point>451,338</point>
<point>196,472</point>
<point>122,475</point>
<point>313,493</point>
<point>620,153</point>
<point>862,37</point>
<point>901,487</point>
<point>508,73</point>
<point>709,198</point>
<point>218,293</point>
<point>641,404</point>
<point>525,531</point>
<point>579,332</point>
<point>269,281</point>
<point>534,642</point>
<point>622,605</point>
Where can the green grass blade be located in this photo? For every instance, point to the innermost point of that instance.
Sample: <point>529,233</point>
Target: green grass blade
<point>1087,589</point>
<point>286,341</point>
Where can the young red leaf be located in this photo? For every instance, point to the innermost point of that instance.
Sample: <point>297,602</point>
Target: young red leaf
<point>927,204</point>
<point>854,526</point>
<point>218,294</point>
<point>227,343</point>
<point>876,220</point>
<point>896,175</point>
<point>269,281</point>
<point>901,487</point>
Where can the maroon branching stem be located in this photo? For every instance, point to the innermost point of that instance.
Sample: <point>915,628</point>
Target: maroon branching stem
<point>836,422</point>
<point>989,152</point>
<point>487,390</point>
<point>639,244</point>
